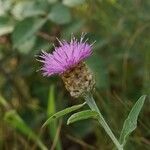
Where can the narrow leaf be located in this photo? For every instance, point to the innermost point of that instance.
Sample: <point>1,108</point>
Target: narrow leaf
<point>130,123</point>
<point>86,114</point>
<point>63,112</point>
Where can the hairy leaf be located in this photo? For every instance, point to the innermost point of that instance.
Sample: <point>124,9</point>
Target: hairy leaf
<point>130,123</point>
<point>63,112</point>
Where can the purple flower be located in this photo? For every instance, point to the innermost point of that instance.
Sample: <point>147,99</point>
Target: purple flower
<point>65,57</point>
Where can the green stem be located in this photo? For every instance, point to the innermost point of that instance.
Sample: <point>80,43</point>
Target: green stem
<point>90,101</point>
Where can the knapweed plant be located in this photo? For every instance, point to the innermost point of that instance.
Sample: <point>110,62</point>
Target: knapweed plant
<point>67,60</point>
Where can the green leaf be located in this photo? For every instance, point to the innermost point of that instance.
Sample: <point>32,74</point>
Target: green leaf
<point>60,14</point>
<point>27,46</point>
<point>25,9</point>
<point>18,123</point>
<point>5,6</point>
<point>86,114</point>
<point>6,25</point>
<point>53,127</point>
<point>51,101</point>
<point>63,112</point>
<point>25,29</point>
<point>73,3</point>
<point>130,123</point>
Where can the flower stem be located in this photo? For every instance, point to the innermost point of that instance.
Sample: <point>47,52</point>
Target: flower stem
<point>90,101</point>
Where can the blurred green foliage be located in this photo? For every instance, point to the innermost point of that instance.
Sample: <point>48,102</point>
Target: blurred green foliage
<point>120,61</point>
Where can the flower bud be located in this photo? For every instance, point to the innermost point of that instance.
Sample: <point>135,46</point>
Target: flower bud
<point>78,80</point>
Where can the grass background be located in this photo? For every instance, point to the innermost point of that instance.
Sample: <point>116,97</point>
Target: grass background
<point>120,62</point>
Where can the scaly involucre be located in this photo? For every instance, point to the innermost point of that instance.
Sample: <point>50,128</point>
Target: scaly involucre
<point>65,57</point>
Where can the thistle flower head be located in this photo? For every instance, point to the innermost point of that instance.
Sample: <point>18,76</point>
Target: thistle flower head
<point>65,57</point>
<point>67,61</point>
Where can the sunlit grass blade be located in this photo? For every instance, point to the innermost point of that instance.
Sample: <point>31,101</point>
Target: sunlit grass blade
<point>3,102</point>
<point>63,112</point>
<point>53,127</point>
<point>82,115</point>
<point>130,123</point>
<point>15,121</point>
